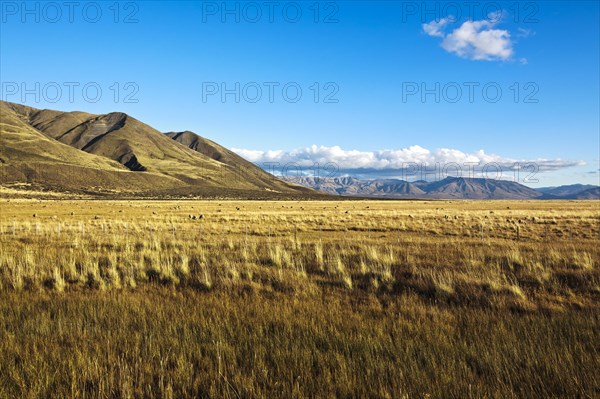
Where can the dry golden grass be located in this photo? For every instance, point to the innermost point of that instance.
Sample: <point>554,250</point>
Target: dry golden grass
<point>296,299</point>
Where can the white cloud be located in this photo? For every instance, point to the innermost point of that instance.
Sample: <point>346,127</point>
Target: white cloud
<point>524,32</point>
<point>434,28</point>
<point>392,162</point>
<point>475,40</point>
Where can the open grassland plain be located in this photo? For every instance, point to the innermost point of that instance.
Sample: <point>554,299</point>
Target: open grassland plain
<point>291,299</point>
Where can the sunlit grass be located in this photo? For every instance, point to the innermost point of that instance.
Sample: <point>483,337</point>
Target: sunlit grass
<point>297,299</point>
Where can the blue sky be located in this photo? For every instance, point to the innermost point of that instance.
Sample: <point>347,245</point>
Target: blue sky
<point>361,68</point>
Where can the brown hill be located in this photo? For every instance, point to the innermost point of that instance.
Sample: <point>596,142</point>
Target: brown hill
<point>115,152</point>
<point>221,154</point>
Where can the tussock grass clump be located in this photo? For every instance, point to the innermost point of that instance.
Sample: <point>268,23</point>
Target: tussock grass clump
<point>582,260</point>
<point>319,260</point>
<point>55,282</point>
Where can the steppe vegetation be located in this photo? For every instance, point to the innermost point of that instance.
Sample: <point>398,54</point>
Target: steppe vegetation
<point>299,298</point>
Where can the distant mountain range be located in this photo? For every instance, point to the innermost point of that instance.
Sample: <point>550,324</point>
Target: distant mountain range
<point>449,188</point>
<point>117,154</point>
<point>570,190</point>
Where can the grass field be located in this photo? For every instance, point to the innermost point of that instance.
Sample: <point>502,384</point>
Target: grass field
<point>387,299</point>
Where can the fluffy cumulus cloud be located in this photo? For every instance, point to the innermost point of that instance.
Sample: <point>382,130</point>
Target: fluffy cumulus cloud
<point>399,163</point>
<point>475,40</point>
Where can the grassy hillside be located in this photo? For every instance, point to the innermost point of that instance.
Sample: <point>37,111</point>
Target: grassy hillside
<point>221,154</point>
<point>116,152</point>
